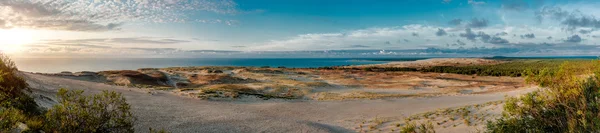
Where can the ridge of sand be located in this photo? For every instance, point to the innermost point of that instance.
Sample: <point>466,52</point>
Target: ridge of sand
<point>436,62</point>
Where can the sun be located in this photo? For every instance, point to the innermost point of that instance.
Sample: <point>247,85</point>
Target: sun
<point>12,40</point>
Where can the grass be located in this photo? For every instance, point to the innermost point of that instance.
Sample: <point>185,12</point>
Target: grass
<point>324,96</point>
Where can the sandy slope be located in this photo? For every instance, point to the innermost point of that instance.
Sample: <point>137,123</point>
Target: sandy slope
<point>436,62</point>
<point>180,114</point>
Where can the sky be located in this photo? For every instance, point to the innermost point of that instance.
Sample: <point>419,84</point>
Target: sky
<point>298,28</point>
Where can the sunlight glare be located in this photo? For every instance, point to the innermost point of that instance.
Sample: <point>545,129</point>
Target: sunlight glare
<point>12,40</point>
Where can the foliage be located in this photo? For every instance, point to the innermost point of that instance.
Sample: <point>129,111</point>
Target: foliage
<point>569,103</point>
<point>9,118</point>
<point>105,112</point>
<point>13,88</point>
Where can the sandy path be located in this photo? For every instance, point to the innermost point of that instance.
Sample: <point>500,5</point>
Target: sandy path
<point>180,114</point>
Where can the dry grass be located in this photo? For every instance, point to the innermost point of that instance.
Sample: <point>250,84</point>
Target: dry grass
<point>445,83</point>
<point>216,79</point>
<point>324,96</point>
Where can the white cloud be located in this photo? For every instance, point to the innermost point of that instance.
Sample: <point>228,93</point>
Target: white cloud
<point>376,38</point>
<point>102,15</point>
<point>473,2</point>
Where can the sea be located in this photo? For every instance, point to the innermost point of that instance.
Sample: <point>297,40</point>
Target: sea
<point>56,65</point>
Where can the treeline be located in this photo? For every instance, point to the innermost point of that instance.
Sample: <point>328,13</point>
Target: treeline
<point>515,68</point>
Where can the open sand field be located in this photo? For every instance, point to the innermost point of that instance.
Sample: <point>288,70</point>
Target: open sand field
<point>236,99</point>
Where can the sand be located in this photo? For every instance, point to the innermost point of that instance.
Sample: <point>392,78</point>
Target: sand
<point>436,62</point>
<point>161,109</point>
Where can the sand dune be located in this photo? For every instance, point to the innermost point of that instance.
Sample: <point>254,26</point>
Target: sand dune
<point>437,62</point>
<point>160,109</point>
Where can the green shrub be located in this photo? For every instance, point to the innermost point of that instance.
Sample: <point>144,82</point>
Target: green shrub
<point>569,102</point>
<point>9,118</point>
<point>13,88</point>
<point>105,112</point>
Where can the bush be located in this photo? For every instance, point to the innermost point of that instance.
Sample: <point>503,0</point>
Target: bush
<point>105,112</point>
<point>9,118</point>
<point>569,103</point>
<point>13,88</point>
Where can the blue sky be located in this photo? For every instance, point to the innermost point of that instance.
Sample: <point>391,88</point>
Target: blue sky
<point>222,28</point>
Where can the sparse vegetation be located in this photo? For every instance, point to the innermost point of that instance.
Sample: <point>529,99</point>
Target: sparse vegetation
<point>414,128</point>
<point>237,90</point>
<point>364,95</point>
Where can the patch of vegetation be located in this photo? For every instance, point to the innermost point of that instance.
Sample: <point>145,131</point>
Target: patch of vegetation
<point>236,91</point>
<point>514,68</point>
<point>569,103</point>
<point>364,95</point>
<point>105,112</point>
<point>13,88</point>
<point>316,84</point>
<point>414,128</point>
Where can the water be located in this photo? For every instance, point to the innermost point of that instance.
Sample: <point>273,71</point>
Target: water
<point>55,65</point>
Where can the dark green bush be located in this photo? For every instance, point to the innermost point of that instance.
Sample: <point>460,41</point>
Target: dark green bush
<point>100,113</point>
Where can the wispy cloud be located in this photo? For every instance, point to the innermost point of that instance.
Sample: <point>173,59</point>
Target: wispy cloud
<point>103,15</point>
<point>118,41</point>
<point>473,2</point>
